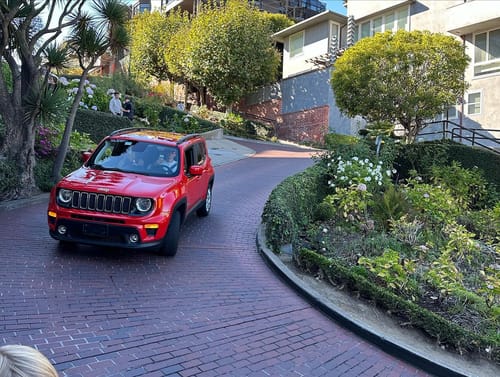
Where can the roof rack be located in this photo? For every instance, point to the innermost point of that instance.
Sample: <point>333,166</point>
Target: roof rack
<point>129,129</point>
<point>186,137</point>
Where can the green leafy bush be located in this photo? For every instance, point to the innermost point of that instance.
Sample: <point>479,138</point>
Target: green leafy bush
<point>434,205</point>
<point>389,205</point>
<point>467,185</point>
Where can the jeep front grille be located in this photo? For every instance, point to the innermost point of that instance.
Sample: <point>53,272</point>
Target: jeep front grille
<point>101,202</point>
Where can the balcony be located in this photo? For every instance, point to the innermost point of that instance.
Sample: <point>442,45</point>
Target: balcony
<point>466,18</point>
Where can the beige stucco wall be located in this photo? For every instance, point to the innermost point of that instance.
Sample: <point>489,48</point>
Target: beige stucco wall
<point>316,41</point>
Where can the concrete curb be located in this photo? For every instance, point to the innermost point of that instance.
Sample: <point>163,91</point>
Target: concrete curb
<point>443,364</point>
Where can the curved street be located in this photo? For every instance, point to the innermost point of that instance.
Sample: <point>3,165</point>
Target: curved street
<point>215,309</point>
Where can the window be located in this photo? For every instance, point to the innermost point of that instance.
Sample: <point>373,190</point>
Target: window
<point>391,21</point>
<point>487,52</point>
<point>449,113</point>
<point>296,44</point>
<point>474,103</point>
<point>334,32</point>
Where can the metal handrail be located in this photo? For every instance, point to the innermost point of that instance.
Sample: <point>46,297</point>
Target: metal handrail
<point>457,132</point>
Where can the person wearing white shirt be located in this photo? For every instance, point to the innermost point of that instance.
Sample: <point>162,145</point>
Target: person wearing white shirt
<point>115,104</point>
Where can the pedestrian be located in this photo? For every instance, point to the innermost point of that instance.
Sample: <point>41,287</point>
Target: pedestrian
<point>115,104</point>
<point>128,108</point>
<point>23,361</point>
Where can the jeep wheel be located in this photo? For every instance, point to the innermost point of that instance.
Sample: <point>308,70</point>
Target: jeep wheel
<point>204,210</point>
<point>171,240</point>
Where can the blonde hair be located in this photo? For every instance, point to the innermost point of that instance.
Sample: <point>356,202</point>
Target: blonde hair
<point>24,361</point>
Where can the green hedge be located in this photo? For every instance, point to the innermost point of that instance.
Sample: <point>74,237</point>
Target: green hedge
<point>98,124</point>
<point>421,157</point>
<point>291,206</point>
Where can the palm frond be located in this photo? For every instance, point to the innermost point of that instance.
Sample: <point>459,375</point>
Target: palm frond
<point>56,56</point>
<point>110,12</point>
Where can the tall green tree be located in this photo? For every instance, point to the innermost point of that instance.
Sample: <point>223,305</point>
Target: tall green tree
<point>230,51</point>
<point>24,38</point>
<point>403,77</point>
<point>151,35</point>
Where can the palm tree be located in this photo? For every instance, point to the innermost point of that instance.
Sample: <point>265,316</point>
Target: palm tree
<point>112,17</point>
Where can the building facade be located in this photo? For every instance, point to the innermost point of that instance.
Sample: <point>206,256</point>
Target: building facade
<point>310,47</point>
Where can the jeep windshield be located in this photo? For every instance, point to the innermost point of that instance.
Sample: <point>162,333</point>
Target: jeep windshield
<point>136,157</point>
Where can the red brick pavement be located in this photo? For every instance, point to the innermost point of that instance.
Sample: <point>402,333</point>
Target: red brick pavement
<point>215,309</point>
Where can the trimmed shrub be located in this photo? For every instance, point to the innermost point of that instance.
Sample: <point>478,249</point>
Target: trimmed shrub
<point>292,205</point>
<point>98,124</point>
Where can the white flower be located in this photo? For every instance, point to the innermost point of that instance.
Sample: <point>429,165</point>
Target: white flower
<point>394,171</point>
<point>87,82</point>
<point>388,172</point>
<point>186,120</point>
<point>355,158</point>
<point>426,195</point>
<point>94,107</point>
<point>90,96</point>
<point>89,90</point>
<point>368,179</point>
<point>75,80</point>
<point>361,187</point>
<point>366,160</point>
<point>110,92</point>
<point>74,90</point>
<point>81,103</point>
<point>325,230</point>
<point>63,80</point>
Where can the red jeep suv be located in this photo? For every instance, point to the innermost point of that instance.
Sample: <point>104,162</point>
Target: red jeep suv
<point>134,191</point>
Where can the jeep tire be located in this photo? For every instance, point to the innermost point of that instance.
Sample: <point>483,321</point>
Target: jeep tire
<point>170,242</point>
<point>204,210</point>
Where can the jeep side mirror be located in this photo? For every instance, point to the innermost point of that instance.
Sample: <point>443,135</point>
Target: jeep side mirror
<point>85,156</point>
<point>195,170</point>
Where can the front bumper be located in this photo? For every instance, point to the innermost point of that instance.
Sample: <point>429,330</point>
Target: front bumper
<point>101,234</point>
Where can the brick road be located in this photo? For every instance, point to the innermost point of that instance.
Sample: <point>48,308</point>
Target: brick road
<point>216,309</point>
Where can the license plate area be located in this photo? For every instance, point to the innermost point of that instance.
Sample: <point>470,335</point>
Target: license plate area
<point>95,230</point>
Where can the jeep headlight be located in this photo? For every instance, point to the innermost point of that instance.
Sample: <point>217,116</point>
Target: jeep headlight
<point>143,204</point>
<point>64,196</point>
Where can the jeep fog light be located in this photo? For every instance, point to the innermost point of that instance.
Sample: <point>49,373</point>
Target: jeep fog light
<point>61,229</point>
<point>133,238</point>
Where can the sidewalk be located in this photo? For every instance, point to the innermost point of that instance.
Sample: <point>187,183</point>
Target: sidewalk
<point>223,150</point>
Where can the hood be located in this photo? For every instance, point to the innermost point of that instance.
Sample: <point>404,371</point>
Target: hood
<point>116,183</point>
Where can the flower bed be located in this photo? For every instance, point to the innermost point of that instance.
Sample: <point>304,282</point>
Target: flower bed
<point>424,248</point>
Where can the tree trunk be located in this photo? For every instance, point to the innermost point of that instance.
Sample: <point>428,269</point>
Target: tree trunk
<point>68,129</point>
<point>20,148</point>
